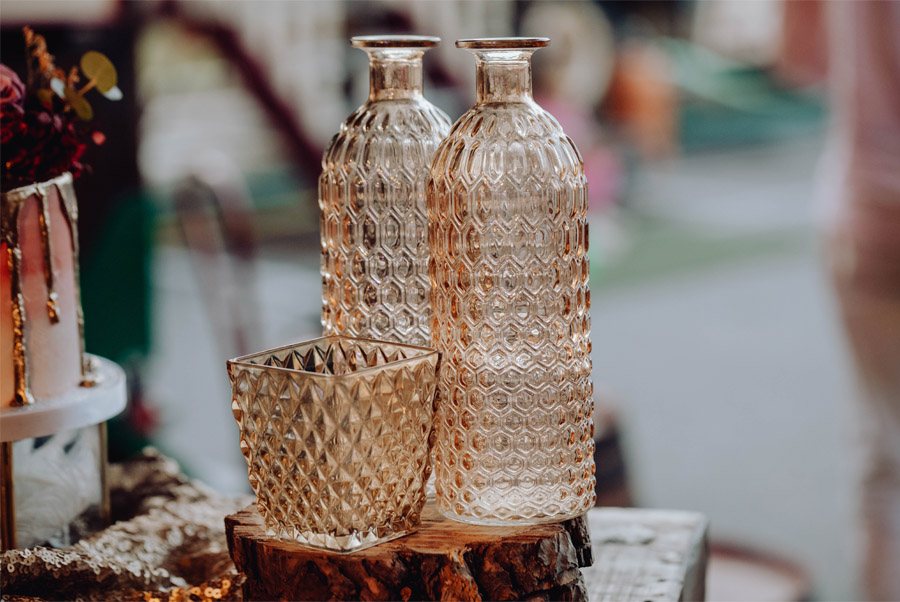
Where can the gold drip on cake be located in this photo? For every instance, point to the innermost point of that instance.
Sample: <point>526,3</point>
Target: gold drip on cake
<point>46,245</point>
<point>9,217</point>
<point>89,377</point>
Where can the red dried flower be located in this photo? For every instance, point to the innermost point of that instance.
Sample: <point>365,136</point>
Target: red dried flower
<point>44,133</point>
<point>12,90</point>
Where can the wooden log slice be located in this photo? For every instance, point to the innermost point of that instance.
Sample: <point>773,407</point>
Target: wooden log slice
<point>443,560</point>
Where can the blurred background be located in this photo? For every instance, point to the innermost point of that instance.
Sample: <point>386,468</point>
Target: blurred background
<point>722,378</point>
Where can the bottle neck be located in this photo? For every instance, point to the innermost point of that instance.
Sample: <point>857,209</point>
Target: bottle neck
<point>503,76</point>
<point>395,73</point>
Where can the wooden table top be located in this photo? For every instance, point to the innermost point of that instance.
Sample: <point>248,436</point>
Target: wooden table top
<point>647,555</point>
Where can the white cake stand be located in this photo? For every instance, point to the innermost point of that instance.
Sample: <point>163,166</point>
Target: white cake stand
<point>78,408</point>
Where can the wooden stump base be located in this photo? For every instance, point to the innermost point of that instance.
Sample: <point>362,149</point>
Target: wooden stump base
<point>443,560</point>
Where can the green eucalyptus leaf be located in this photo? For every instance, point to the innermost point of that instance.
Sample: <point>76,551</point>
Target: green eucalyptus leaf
<point>100,69</point>
<point>81,107</point>
<point>113,93</point>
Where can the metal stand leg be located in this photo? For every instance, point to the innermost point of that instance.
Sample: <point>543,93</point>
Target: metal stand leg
<point>105,505</point>
<point>7,499</point>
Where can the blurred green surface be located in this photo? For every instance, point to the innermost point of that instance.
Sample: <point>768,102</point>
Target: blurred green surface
<point>657,248</point>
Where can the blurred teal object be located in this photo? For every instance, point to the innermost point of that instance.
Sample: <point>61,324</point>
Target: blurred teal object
<point>726,103</point>
<point>115,283</point>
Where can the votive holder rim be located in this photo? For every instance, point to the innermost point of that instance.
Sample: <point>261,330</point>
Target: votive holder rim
<point>243,361</point>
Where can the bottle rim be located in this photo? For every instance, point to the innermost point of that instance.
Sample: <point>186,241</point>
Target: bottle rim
<point>502,43</point>
<point>394,41</point>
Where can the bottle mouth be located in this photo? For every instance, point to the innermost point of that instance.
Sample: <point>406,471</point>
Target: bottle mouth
<point>502,43</point>
<point>394,41</point>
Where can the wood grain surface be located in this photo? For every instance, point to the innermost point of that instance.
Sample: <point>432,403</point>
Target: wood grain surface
<point>443,560</point>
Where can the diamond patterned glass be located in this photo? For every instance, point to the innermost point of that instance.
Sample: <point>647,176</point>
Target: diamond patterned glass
<point>336,435</point>
<point>508,236</point>
<point>372,198</point>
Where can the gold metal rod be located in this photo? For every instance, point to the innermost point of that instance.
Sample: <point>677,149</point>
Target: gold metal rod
<point>7,499</point>
<point>105,504</point>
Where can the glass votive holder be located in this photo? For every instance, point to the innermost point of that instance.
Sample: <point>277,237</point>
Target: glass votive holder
<point>337,436</point>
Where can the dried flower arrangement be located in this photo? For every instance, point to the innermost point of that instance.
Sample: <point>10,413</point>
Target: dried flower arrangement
<point>44,128</point>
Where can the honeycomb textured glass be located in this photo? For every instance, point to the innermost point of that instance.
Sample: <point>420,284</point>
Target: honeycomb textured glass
<point>508,237</point>
<point>336,436</point>
<point>372,198</point>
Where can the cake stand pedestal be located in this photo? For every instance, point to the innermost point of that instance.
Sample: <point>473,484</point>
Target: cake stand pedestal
<point>442,560</point>
<point>79,409</point>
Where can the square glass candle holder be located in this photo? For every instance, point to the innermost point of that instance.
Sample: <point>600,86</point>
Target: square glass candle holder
<point>337,436</point>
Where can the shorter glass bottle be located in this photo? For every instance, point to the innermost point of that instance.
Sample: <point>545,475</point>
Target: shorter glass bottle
<point>374,227</point>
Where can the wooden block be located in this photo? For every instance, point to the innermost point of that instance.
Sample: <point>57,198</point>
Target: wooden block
<point>444,559</point>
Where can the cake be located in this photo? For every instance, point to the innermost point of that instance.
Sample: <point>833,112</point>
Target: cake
<point>52,427</point>
<point>41,333</point>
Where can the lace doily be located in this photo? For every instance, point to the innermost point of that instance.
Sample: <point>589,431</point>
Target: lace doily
<point>167,542</point>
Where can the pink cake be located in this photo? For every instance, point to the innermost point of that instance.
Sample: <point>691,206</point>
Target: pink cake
<point>44,358</point>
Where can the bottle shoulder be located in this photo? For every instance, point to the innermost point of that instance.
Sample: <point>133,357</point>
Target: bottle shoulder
<point>517,120</point>
<point>386,123</point>
<point>520,140</point>
<point>396,117</point>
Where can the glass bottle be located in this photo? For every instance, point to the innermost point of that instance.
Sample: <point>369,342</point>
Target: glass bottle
<point>374,228</point>
<point>508,234</point>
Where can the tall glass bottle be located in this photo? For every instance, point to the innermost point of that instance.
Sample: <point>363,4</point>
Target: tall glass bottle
<point>372,198</point>
<point>508,236</point>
